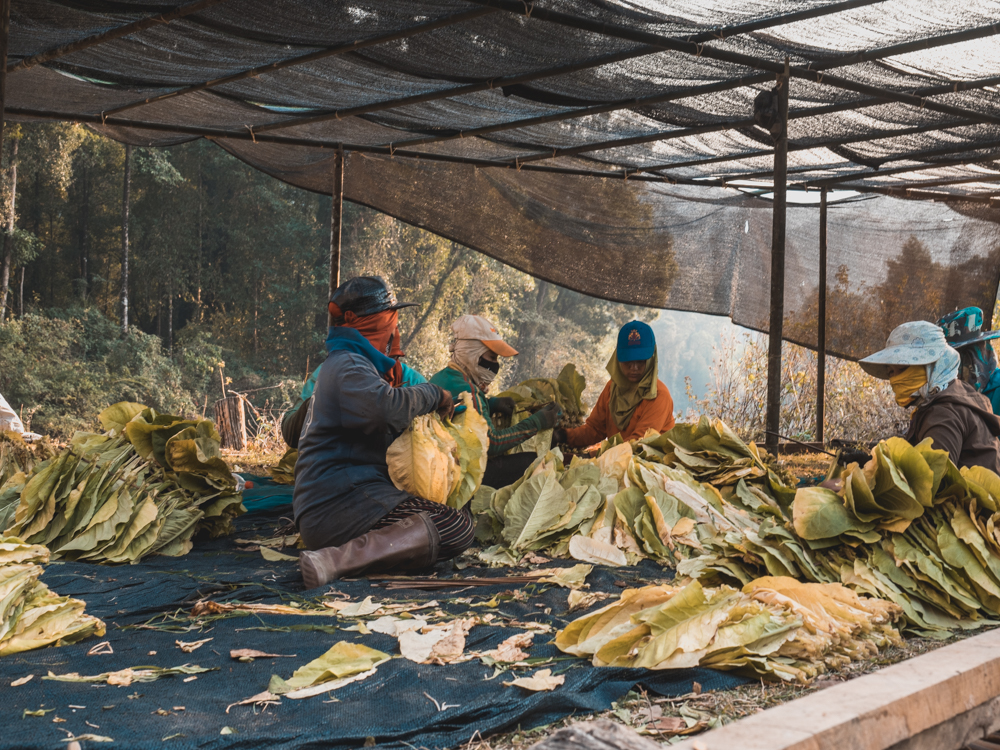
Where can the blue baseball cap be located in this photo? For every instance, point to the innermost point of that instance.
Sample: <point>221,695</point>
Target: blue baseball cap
<point>635,342</point>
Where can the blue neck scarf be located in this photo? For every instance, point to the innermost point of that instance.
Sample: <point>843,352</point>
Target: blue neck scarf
<point>341,338</point>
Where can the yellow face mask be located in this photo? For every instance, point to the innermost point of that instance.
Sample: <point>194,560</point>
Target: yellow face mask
<point>906,383</point>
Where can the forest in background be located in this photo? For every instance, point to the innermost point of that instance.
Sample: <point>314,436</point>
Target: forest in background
<point>228,277</point>
<point>228,266</point>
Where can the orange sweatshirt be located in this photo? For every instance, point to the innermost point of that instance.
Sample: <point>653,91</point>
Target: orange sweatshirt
<point>657,414</point>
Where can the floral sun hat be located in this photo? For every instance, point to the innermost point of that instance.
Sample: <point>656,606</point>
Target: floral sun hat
<point>915,343</point>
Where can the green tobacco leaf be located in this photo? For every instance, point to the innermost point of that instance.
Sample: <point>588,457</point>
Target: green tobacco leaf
<point>342,660</point>
<point>819,513</point>
<point>912,464</point>
<point>537,505</point>
<point>116,416</point>
<point>892,493</point>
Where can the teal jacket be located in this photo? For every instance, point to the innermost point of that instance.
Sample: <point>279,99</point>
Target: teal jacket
<point>501,441</point>
<point>410,377</point>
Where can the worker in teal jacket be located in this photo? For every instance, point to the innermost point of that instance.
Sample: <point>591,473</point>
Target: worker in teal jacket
<point>963,329</point>
<point>475,352</point>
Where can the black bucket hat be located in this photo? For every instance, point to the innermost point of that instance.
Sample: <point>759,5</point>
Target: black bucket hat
<point>964,327</point>
<point>364,295</point>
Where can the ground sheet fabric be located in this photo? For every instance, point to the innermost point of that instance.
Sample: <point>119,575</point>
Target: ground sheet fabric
<point>390,706</point>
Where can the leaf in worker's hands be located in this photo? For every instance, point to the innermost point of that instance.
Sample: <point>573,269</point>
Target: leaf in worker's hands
<point>541,680</point>
<point>116,416</point>
<point>274,556</point>
<point>188,646</point>
<point>595,551</point>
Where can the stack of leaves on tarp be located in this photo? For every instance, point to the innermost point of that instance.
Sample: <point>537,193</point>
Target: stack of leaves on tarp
<point>284,471</point>
<point>441,460</point>
<point>144,487</point>
<point>17,459</point>
<point>648,501</point>
<point>32,616</point>
<point>777,627</point>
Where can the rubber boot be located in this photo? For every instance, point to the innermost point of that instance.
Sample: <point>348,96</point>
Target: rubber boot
<point>411,543</point>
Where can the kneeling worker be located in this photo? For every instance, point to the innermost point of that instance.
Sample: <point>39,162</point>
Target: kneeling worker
<point>923,372</point>
<point>634,400</point>
<point>475,352</point>
<point>350,515</point>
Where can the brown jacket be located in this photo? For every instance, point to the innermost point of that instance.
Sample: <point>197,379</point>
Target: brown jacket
<point>961,421</point>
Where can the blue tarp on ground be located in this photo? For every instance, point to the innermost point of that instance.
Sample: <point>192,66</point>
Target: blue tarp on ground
<point>394,706</point>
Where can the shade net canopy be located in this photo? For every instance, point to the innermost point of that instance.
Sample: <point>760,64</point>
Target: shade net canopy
<point>597,144</point>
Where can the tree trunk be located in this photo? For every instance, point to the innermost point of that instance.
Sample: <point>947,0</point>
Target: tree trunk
<point>201,234</point>
<point>170,317</point>
<point>456,259</point>
<point>8,243</point>
<point>85,238</point>
<point>21,305</point>
<point>126,187</point>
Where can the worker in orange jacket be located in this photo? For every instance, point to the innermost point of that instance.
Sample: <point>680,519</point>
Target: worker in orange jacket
<point>633,401</point>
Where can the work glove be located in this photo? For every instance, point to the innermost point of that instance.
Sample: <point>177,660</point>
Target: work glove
<point>503,406</point>
<point>547,417</point>
<point>446,406</point>
<point>559,436</point>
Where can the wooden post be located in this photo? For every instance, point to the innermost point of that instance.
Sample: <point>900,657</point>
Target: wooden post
<point>821,324</point>
<point>336,223</point>
<point>126,187</point>
<point>773,421</point>
<point>230,421</point>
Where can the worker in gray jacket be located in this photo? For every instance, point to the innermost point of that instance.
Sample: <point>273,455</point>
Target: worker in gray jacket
<point>350,515</point>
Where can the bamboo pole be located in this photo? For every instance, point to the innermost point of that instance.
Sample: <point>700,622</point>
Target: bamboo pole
<point>773,421</point>
<point>336,223</point>
<point>821,323</point>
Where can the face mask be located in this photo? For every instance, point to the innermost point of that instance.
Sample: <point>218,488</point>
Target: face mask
<point>905,384</point>
<point>487,372</point>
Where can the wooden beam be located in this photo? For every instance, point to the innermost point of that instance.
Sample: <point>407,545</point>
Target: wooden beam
<point>776,318</point>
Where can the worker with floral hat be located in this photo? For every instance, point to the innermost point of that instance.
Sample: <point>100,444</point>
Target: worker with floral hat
<point>634,401</point>
<point>922,370</point>
<point>348,512</point>
<point>476,349</point>
<point>963,330</point>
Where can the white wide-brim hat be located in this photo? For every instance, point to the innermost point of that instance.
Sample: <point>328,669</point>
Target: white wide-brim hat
<point>915,343</point>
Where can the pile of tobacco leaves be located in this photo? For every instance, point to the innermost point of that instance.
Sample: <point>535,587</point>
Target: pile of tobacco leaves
<point>145,486</point>
<point>32,616</point>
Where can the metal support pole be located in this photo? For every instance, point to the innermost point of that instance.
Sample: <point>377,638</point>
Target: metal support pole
<point>126,201</point>
<point>821,323</point>
<point>336,222</point>
<point>777,269</point>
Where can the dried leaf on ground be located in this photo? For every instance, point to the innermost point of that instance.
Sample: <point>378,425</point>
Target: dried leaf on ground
<point>442,644</point>
<point>88,738</point>
<point>583,599</point>
<point>272,555</point>
<point>261,699</point>
<point>511,649</point>
<point>251,653</point>
<point>125,677</point>
<point>22,681</point>
<point>596,552</point>
<point>356,609</point>
<point>570,578</point>
<point>188,646</point>
<point>209,607</point>
<point>344,662</point>
<point>101,649</point>
<point>540,681</point>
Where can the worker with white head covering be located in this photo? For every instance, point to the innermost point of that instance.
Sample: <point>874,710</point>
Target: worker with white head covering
<point>922,370</point>
<point>476,349</point>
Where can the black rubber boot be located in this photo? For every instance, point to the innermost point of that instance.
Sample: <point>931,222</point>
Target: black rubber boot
<point>411,543</point>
